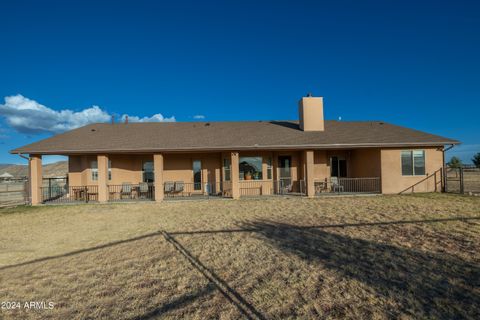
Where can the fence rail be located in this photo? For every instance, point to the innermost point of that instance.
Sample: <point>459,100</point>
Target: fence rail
<point>348,185</point>
<point>180,189</point>
<point>69,194</point>
<point>128,192</point>
<point>462,180</point>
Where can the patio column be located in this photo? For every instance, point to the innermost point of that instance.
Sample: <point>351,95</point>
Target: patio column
<point>158,171</point>
<point>102,162</point>
<point>309,173</point>
<point>235,173</point>
<point>35,174</point>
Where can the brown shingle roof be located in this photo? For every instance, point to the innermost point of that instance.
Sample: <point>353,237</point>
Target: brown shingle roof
<point>182,136</point>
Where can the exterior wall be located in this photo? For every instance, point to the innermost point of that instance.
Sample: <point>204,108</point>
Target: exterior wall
<point>365,163</point>
<point>124,168</point>
<point>369,162</point>
<point>391,168</point>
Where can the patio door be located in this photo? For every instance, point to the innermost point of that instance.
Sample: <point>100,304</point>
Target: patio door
<point>338,167</point>
<point>285,166</point>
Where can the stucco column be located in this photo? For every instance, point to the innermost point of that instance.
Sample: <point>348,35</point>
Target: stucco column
<point>35,166</point>
<point>309,173</point>
<point>235,173</point>
<point>158,171</point>
<point>102,162</point>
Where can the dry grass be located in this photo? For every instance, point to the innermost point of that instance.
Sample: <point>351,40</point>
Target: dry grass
<point>284,258</point>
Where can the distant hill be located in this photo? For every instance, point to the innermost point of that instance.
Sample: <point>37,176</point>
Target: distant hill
<point>56,169</point>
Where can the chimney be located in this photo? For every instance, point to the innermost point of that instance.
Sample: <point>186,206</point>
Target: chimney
<point>310,113</point>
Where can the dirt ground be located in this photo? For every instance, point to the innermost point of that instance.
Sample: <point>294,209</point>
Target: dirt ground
<point>411,256</point>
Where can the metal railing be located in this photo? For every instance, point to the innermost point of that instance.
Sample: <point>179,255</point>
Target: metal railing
<point>252,188</point>
<point>289,187</point>
<point>180,189</point>
<point>131,192</point>
<point>348,185</point>
<point>69,194</point>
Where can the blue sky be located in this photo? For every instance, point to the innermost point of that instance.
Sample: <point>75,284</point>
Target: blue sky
<point>410,63</point>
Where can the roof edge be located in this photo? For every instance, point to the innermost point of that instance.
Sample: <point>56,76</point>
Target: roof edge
<point>254,147</point>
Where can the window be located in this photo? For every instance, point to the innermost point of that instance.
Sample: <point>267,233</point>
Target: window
<point>94,169</point>
<point>227,167</point>
<point>109,170</point>
<point>148,173</point>
<point>269,168</point>
<point>251,168</point>
<point>413,163</point>
<point>197,175</point>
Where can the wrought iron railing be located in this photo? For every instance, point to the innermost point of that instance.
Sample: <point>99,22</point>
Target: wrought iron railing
<point>289,187</point>
<point>67,194</point>
<point>272,187</point>
<point>131,192</point>
<point>180,189</point>
<point>348,185</point>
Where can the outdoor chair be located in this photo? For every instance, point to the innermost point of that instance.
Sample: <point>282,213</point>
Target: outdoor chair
<point>336,187</point>
<point>143,190</point>
<point>179,186</point>
<point>169,186</point>
<point>126,190</point>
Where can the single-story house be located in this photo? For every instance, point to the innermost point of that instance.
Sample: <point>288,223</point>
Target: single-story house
<point>311,157</point>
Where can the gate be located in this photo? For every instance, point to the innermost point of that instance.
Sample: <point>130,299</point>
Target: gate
<point>454,180</point>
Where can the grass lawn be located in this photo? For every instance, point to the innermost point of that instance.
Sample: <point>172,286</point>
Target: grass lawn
<point>412,256</point>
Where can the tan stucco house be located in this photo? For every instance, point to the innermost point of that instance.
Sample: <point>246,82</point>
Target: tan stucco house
<point>311,157</point>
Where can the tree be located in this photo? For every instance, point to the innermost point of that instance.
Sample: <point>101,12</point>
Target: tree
<point>476,160</point>
<point>455,162</point>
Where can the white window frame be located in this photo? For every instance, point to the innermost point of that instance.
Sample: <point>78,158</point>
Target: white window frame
<point>413,163</point>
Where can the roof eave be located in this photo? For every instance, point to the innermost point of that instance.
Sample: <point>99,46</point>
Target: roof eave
<point>252,147</point>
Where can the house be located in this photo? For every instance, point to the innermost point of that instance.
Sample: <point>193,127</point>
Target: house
<point>311,156</point>
<point>6,176</point>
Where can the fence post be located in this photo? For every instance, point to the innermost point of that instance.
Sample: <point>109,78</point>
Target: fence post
<point>461,181</point>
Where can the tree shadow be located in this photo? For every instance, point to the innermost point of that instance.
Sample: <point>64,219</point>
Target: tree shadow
<point>423,284</point>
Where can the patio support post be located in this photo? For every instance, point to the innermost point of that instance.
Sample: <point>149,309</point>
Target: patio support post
<point>102,162</point>
<point>35,166</point>
<point>309,169</point>
<point>158,171</point>
<point>235,172</point>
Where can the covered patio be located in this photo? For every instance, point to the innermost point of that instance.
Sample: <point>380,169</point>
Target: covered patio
<point>165,176</point>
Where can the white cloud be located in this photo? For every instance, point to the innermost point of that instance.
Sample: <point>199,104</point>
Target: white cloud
<point>155,118</point>
<point>28,116</point>
<point>199,116</point>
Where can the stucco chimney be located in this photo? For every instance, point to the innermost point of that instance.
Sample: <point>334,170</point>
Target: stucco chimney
<point>310,112</point>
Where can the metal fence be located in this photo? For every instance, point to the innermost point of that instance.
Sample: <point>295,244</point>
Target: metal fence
<point>69,194</point>
<point>290,187</point>
<point>180,189</point>
<point>462,180</point>
<point>129,192</point>
<point>348,185</point>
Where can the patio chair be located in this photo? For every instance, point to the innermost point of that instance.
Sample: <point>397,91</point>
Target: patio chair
<point>169,186</point>
<point>126,190</point>
<point>179,186</point>
<point>143,190</point>
<point>336,187</point>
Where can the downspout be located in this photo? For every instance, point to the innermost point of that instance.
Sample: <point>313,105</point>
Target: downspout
<point>444,177</point>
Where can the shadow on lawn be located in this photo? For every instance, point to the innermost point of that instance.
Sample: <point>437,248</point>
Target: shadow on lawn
<point>424,284</point>
<point>179,302</point>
